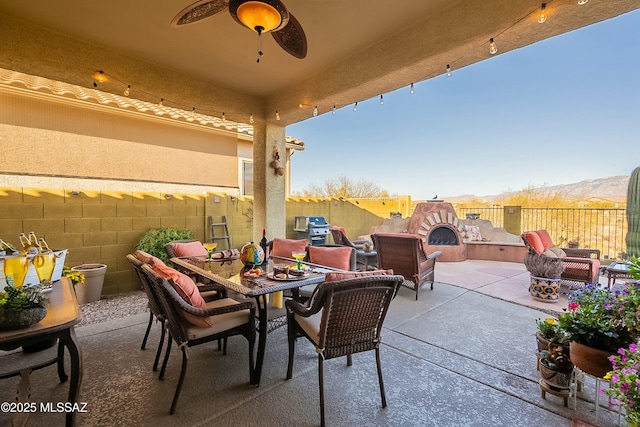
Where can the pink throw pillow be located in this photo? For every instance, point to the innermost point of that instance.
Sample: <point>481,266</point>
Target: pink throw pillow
<point>285,247</point>
<point>189,249</point>
<point>147,258</point>
<point>336,277</point>
<point>331,257</point>
<point>187,289</point>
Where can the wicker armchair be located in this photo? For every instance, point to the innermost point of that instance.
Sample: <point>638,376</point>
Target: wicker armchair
<point>231,318</point>
<point>155,307</point>
<point>580,265</point>
<point>340,238</point>
<point>405,255</point>
<point>342,318</point>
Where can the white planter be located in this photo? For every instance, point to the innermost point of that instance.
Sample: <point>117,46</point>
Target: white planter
<point>93,280</point>
<point>544,288</point>
<point>32,276</point>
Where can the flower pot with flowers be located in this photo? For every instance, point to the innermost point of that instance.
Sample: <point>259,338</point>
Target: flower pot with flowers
<point>598,322</point>
<point>549,335</point>
<point>624,383</point>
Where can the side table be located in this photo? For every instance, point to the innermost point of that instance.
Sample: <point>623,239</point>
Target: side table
<point>363,256</point>
<point>617,270</point>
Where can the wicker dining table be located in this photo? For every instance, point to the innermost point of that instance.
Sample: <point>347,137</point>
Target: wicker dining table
<point>230,274</point>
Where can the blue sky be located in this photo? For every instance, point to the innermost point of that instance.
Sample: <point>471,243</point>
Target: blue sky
<point>556,112</point>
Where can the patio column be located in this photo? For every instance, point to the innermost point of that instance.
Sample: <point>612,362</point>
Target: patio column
<point>269,206</point>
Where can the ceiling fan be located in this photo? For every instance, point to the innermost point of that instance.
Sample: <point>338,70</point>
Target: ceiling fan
<point>261,16</point>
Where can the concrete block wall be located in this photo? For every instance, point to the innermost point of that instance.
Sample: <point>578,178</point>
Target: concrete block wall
<point>104,226</point>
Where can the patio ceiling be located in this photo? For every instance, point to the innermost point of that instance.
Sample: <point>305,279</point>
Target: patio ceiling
<point>357,49</point>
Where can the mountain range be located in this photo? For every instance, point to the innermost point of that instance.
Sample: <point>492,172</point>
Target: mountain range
<point>612,188</point>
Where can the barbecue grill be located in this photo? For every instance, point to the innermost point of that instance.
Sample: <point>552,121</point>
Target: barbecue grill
<point>313,228</point>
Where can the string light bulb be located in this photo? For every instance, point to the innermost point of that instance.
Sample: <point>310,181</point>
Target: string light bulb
<point>412,91</point>
<point>99,77</point>
<point>381,100</point>
<point>315,111</point>
<point>277,115</point>
<point>542,17</point>
<point>355,107</point>
<point>251,121</point>
<point>581,2</point>
<point>193,112</point>
<point>448,70</point>
<point>493,49</point>
<point>161,103</point>
<point>127,91</point>
<point>224,117</point>
<point>334,110</point>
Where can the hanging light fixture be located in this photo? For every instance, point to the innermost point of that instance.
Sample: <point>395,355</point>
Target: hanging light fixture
<point>581,2</point>
<point>127,91</point>
<point>355,107</point>
<point>493,49</point>
<point>542,18</point>
<point>260,16</point>
<point>381,100</point>
<point>251,120</point>
<point>277,115</point>
<point>315,111</point>
<point>412,91</point>
<point>99,77</point>
<point>448,70</point>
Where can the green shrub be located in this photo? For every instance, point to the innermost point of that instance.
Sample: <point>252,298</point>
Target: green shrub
<point>155,239</point>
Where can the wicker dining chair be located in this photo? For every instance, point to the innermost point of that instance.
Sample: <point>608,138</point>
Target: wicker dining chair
<point>154,305</point>
<point>342,318</point>
<point>405,255</point>
<point>230,317</point>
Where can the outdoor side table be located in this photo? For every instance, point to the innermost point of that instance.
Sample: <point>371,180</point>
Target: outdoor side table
<point>617,270</point>
<point>362,255</point>
<point>63,313</point>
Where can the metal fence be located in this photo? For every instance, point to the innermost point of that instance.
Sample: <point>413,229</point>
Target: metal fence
<point>603,229</point>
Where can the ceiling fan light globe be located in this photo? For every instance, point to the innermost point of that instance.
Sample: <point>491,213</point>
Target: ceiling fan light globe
<point>267,15</point>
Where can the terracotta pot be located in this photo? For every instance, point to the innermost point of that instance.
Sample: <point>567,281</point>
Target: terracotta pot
<point>592,361</point>
<point>543,344</point>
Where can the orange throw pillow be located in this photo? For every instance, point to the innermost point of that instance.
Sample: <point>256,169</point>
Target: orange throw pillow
<point>331,257</point>
<point>187,289</point>
<point>534,240</point>
<point>189,249</point>
<point>545,238</point>
<point>285,247</point>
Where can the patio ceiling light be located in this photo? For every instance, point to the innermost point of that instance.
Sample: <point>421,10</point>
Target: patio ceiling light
<point>259,16</point>
<point>542,18</point>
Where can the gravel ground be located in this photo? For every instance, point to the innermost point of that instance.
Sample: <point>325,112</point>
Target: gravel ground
<point>113,306</point>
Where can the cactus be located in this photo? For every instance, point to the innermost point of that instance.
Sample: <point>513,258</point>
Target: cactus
<point>633,214</point>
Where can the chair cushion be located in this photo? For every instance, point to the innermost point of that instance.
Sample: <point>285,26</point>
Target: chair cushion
<point>549,253</point>
<point>285,247</point>
<point>148,258</point>
<point>187,289</point>
<point>534,241</point>
<point>189,249</point>
<point>336,276</point>
<point>310,325</point>
<point>545,239</point>
<point>339,257</point>
<point>558,251</point>
<point>223,322</point>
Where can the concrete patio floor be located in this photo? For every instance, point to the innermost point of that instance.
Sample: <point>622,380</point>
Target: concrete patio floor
<point>463,355</point>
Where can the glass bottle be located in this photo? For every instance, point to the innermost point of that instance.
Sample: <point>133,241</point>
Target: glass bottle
<point>264,244</point>
<point>44,247</point>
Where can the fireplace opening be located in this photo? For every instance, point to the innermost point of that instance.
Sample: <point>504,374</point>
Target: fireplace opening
<point>443,236</point>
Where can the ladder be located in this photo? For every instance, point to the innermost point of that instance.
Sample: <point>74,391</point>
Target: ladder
<point>223,225</point>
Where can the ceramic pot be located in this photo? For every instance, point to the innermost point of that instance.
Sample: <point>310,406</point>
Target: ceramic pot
<point>589,360</point>
<point>554,378</point>
<point>544,288</point>
<point>543,344</point>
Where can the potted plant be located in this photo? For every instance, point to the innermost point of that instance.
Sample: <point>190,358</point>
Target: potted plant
<point>623,383</point>
<point>545,276</point>
<point>155,239</point>
<point>599,322</point>
<point>22,306</point>
<point>556,369</point>
<point>549,333</point>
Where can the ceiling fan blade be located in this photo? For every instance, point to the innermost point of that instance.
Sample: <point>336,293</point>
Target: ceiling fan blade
<point>292,38</point>
<point>199,10</point>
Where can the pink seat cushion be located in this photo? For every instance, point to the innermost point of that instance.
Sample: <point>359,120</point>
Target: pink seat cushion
<point>331,257</point>
<point>285,247</point>
<point>545,239</point>
<point>147,258</point>
<point>187,289</point>
<point>189,249</point>
<point>337,277</point>
<point>534,241</point>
